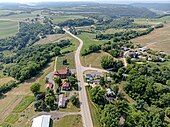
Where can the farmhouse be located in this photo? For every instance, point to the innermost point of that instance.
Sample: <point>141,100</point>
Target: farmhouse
<point>62,73</point>
<point>62,101</point>
<point>41,121</point>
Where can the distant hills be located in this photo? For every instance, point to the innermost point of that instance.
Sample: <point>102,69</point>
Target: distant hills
<point>156,6</point>
<point>111,10</point>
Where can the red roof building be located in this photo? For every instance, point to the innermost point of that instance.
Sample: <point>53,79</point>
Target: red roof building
<point>49,86</point>
<point>62,73</point>
<point>65,86</point>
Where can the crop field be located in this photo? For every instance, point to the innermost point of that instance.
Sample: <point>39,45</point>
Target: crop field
<point>159,39</point>
<point>8,28</point>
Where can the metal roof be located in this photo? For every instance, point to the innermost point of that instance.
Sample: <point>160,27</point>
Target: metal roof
<point>41,121</point>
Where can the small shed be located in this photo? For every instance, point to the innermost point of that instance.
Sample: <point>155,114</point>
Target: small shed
<point>62,101</point>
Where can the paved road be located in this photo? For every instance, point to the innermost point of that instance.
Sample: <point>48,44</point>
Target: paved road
<point>85,110</point>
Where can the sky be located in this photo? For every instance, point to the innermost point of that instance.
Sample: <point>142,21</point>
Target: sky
<point>107,1</point>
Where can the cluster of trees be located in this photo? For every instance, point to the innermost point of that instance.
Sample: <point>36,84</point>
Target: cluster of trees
<point>108,62</point>
<point>7,87</point>
<point>91,49</point>
<point>149,83</point>
<point>124,35</point>
<point>123,22</point>
<point>29,61</point>
<point>64,43</point>
<point>43,101</point>
<point>77,22</point>
<point>29,33</point>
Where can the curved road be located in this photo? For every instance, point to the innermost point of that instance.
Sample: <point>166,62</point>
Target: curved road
<point>85,110</point>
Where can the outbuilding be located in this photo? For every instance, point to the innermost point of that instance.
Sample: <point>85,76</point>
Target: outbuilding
<point>41,121</point>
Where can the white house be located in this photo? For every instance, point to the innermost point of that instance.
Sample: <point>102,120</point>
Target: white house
<point>41,121</point>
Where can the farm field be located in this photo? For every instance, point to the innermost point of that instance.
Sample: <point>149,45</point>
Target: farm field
<point>62,18</point>
<point>93,59</point>
<point>52,39</point>
<point>18,101</point>
<point>160,39</point>
<point>8,28</point>
<point>69,121</point>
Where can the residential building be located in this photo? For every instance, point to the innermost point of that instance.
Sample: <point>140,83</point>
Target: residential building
<point>62,73</point>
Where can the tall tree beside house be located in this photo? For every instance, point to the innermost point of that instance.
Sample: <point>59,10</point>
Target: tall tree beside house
<point>102,81</point>
<point>58,82</point>
<point>35,88</point>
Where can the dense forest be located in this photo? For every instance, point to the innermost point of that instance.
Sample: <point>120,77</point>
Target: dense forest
<point>77,22</point>
<point>29,61</point>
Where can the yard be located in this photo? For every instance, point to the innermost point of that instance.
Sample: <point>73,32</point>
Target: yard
<point>8,28</point>
<point>70,61</point>
<point>69,121</point>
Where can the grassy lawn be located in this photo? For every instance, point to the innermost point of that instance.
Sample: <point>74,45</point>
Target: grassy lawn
<point>69,121</point>
<point>93,59</point>
<point>70,108</point>
<point>70,61</point>
<point>160,38</point>
<point>26,101</point>
<point>8,28</point>
<point>62,18</point>
<point>93,110</point>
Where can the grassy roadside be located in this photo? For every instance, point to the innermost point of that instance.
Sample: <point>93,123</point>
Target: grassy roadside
<point>93,110</point>
<point>69,121</point>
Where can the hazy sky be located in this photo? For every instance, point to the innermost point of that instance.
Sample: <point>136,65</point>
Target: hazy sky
<point>111,1</point>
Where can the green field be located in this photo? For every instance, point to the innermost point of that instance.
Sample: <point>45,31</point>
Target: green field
<point>8,28</point>
<point>89,39</point>
<point>70,61</point>
<point>93,59</point>
<point>69,121</point>
<point>26,101</point>
<point>62,18</point>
